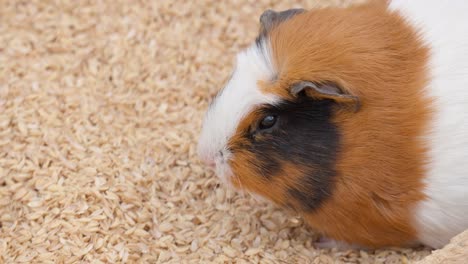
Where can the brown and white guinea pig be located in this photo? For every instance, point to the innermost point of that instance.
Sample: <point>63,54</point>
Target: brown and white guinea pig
<point>356,117</point>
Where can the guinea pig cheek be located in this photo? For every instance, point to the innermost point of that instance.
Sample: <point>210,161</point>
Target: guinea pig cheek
<point>237,161</point>
<point>248,175</point>
<point>275,186</point>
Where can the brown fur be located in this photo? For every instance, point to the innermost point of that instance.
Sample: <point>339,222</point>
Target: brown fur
<point>376,56</point>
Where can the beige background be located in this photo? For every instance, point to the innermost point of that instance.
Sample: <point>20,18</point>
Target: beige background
<point>100,107</point>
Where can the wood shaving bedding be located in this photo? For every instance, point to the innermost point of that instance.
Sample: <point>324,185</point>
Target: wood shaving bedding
<point>101,103</point>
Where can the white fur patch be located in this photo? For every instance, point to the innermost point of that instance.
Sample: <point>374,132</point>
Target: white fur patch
<point>234,102</point>
<point>444,25</point>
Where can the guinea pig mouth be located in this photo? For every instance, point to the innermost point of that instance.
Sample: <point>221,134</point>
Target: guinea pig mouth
<point>222,168</point>
<point>224,172</point>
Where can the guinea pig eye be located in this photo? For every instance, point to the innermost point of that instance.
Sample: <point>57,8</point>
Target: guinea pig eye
<point>268,122</point>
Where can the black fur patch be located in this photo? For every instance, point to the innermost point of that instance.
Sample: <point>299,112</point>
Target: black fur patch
<point>316,188</point>
<point>304,135</point>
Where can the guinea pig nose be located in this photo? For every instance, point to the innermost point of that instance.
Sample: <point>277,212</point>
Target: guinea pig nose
<point>209,162</point>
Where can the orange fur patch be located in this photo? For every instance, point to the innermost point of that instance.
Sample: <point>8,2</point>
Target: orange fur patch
<point>376,56</point>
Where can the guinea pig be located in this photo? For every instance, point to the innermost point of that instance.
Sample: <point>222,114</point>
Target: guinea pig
<point>355,117</point>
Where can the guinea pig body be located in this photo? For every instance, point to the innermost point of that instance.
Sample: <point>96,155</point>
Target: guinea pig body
<point>355,117</point>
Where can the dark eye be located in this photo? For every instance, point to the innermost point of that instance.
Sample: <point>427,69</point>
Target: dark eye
<point>268,122</point>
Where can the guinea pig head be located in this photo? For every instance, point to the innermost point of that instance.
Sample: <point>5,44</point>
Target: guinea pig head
<point>270,129</point>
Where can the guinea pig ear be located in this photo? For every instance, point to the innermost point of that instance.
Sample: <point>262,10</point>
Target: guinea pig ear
<point>325,90</point>
<point>270,18</point>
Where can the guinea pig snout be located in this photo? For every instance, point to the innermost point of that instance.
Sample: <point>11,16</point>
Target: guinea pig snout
<point>219,158</point>
<point>210,163</point>
<point>208,160</point>
<point>213,160</point>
